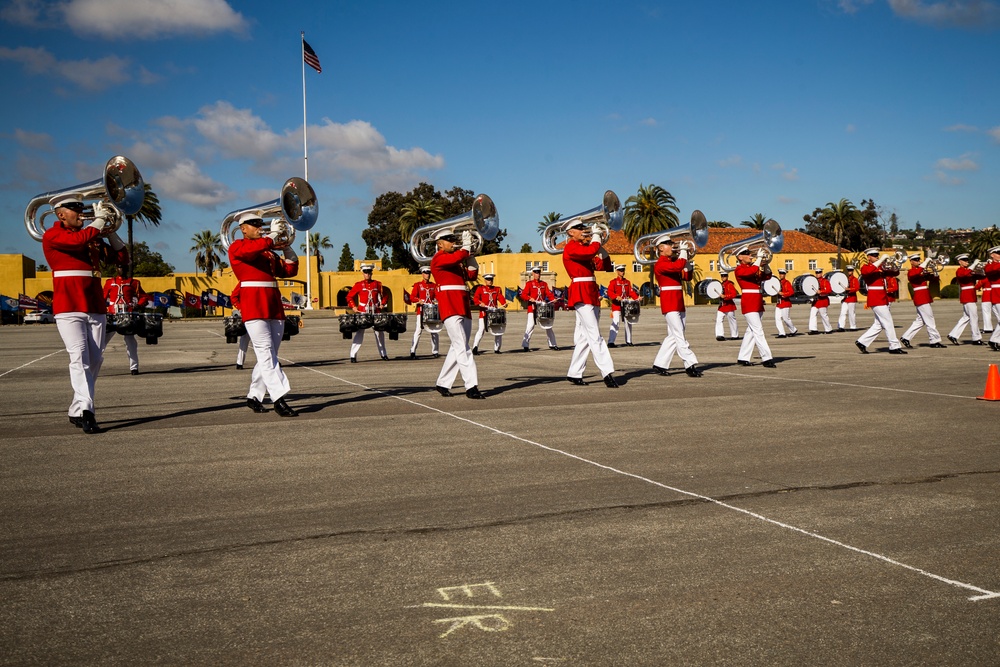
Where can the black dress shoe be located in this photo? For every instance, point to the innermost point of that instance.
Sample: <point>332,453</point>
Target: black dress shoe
<point>239,367</point>
<point>841,329</point>
<point>660,371</point>
<point>813,333</point>
<point>134,371</point>
<point>475,350</point>
<point>76,421</point>
<point>828,332</point>
<point>629,345</point>
<point>769,364</point>
<point>937,345</point>
<point>693,371</point>
<point>744,363</point>
<point>88,423</point>
<point>525,349</point>
<point>385,358</point>
<point>354,360</point>
<point>474,393</point>
<point>444,392</point>
<point>413,355</point>
<point>781,336</point>
<point>577,381</point>
<point>554,348</point>
<point>864,350</point>
<point>720,338</point>
<point>496,351</point>
<point>256,405</point>
<point>612,345</point>
<point>436,355</point>
<point>898,350</point>
<point>977,342</point>
<point>284,409</point>
<point>905,343</point>
<point>988,331</point>
<point>609,381</point>
<point>953,340</point>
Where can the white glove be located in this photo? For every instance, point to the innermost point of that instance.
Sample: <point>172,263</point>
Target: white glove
<point>467,240</point>
<point>683,254</point>
<point>290,255</point>
<point>878,262</point>
<point>115,241</point>
<point>925,263</point>
<point>103,210</point>
<point>236,313</point>
<point>761,253</point>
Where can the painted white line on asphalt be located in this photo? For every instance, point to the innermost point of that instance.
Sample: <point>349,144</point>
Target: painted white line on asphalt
<point>983,594</point>
<point>30,362</point>
<point>837,384</point>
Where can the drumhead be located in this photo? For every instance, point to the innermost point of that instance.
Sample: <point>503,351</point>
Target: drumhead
<point>806,284</point>
<point>772,286</point>
<point>838,281</point>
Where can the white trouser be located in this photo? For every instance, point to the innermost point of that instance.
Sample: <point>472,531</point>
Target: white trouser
<point>995,338</point>
<point>616,320</point>
<point>587,338</point>
<point>883,322</point>
<point>753,337</point>
<point>530,326</point>
<point>83,336</point>
<point>823,315</point>
<point>675,342</point>
<point>783,318</point>
<point>131,348</point>
<point>925,318</point>
<point>847,315</point>
<point>987,316</point>
<point>730,317</point>
<point>418,332</point>
<point>969,316</point>
<point>359,337</point>
<point>267,376</point>
<point>241,349</point>
<point>497,338</point>
<point>459,358</point>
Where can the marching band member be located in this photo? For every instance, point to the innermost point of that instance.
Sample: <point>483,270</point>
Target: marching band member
<point>750,274</point>
<point>256,266</point>
<point>670,272</point>
<point>985,288</point>
<point>452,266</point>
<point>536,290</point>
<point>820,305</point>
<point>487,296</point>
<point>727,309</point>
<point>920,279</point>
<point>581,257</point>
<point>992,271</point>
<point>423,292</point>
<point>966,280</point>
<point>124,295</point>
<point>369,297</point>
<point>783,309</point>
<point>849,302</point>
<point>74,253</point>
<point>876,278</point>
<point>244,342</point>
<point>620,288</point>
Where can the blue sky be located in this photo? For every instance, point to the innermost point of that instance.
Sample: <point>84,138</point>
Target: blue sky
<point>736,108</point>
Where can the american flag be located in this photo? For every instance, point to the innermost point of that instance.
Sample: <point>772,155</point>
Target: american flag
<point>310,56</point>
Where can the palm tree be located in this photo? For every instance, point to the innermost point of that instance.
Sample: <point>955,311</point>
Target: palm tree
<point>417,213</point>
<point>983,240</point>
<point>756,222</point>
<point>719,223</point>
<point>549,218</point>
<point>840,217</point>
<point>652,209</point>
<point>316,244</point>
<point>149,214</point>
<point>207,247</point>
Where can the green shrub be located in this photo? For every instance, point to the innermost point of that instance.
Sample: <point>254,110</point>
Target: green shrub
<point>949,292</point>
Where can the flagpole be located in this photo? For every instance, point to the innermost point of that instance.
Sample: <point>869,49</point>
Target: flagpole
<point>305,161</point>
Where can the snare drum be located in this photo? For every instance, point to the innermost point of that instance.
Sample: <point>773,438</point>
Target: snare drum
<point>348,325</point>
<point>364,320</point>
<point>431,316</point>
<point>292,325</point>
<point>838,281</point>
<point>545,314</point>
<point>126,324</point>
<point>630,310</point>
<point>710,288</point>
<point>152,327</point>
<point>771,286</point>
<point>381,321</point>
<point>496,321</point>
<point>806,284</point>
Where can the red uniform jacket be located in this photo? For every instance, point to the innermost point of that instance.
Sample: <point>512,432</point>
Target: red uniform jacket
<point>234,298</point>
<point>984,285</point>
<point>536,290</point>
<point>670,273</point>
<point>966,285</point>
<point>124,295</point>
<point>786,293</point>
<point>727,302</point>
<point>581,261</point>
<point>257,267</point>
<point>78,252</point>
<point>488,297</point>
<point>822,299</point>
<point>853,286</point>
<point>876,278</point>
<point>750,278</point>
<point>450,271</point>
<point>366,296</point>
<point>618,289</point>
<point>992,271</point>
<point>892,287</point>
<point>921,281</point>
<point>423,292</point>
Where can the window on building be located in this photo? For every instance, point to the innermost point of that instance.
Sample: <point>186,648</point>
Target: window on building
<point>711,265</point>
<point>813,265</point>
<point>543,265</point>
<point>637,267</point>
<point>789,265</point>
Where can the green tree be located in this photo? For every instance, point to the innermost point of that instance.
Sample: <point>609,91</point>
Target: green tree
<point>719,224</point>
<point>370,253</point>
<point>652,209</point>
<point>148,263</point>
<point>149,215</point>
<point>417,213</point>
<point>346,262</point>
<point>755,222</point>
<point>547,220</point>
<point>980,242</point>
<point>526,248</point>
<point>316,245</point>
<point>207,248</point>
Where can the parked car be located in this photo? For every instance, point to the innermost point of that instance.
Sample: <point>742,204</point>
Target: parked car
<point>40,317</point>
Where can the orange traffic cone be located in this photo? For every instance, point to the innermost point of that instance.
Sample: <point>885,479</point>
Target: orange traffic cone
<point>992,392</point>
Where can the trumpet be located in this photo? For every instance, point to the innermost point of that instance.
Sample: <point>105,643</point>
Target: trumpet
<point>770,241</point>
<point>121,186</point>
<point>933,265</point>
<point>690,237</point>
<point>895,261</point>
<point>604,219</point>
<point>479,225</point>
<point>297,206</point>
<point>977,268</point>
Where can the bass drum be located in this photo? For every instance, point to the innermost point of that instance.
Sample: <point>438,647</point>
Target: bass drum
<point>838,281</point>
<point>496,321</point>
<point>545,314</point>
<point>709,288</point>
<point>234,327</point>
<point>806,284</point>
<point>431,316</point>
<point>630,310</point>
<point>125,324</point>
<point>771,286</point>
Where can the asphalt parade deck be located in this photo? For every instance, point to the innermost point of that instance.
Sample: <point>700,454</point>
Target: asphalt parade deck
<point>838,509</point>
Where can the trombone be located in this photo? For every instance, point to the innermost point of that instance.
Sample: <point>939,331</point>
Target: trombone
<point>690,236</point>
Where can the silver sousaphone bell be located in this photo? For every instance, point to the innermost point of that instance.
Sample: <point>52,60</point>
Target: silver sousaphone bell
<point>296,209</point>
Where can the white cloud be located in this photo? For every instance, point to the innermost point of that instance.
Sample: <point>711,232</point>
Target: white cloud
<point>852,6</point>
<point>949,13</point>
<point>38,141</point>
<point>91,75</point>
<point>791,175</point>
<point>850,129</point>
<point>994,132</point>
<point>945,179</point>
<point>959,127</point>
<point>238,133</point>
<point>961,163</point>
<point>648,122</point>
<point>23,12</point>
<point>731,161</point>
<point>184,181</point>
<point>148,19</point>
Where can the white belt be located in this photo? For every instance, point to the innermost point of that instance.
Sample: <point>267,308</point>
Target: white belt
<point>259,283</point>
<point>921,287</point>
<point>969,287</point>
<point>452,288</point>
<point>591,279</point>
<point>751,291</point>
<point>75,274</point>
<point>671,288</point>
<point>873,287</point>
